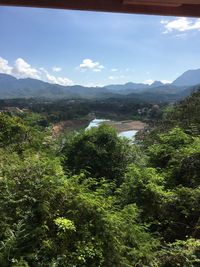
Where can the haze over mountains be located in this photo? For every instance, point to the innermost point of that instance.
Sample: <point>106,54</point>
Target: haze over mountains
<point>10,87</point>
<point>189,78</point>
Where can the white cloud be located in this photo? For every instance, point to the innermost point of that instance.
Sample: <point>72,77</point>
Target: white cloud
<point>23,70</point>
<point>4,67</point>
<point>112,78</point>
<point>97,70</point>
<point>181,35</point>
<point>116,77</point>
<point>89,64</point>
<point>181,24</point>
<point>56,80</point>
<point>56,69</point>
<point>59,80</point>
<point>165,81</point>
<point>149,81</point>
<point>114,70</point>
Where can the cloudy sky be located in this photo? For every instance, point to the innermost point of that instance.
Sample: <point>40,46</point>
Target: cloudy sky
<point>90,48</point>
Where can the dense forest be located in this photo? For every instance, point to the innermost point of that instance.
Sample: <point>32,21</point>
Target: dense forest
<point>72,109</point>
<point>93,199</point>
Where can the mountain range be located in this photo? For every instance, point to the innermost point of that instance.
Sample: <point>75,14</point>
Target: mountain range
<point>11,87</point>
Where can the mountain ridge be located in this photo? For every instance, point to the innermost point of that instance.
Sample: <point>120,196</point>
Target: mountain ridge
<point>188,78</point>
<point>11,87</point>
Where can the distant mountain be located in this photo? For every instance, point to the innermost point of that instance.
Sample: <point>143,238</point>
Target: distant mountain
<point>180,88</point>
<point>166,89</point>
<point>156,97</point>
<point>10,87</point>
<point>156,84</point>
<point>188,78</point>
<point>130,87</point>
<point>126,87</point>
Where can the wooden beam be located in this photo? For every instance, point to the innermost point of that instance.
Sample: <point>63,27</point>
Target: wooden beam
<point>163,2</point>
<point>190,10</point>
<point>150,3</point>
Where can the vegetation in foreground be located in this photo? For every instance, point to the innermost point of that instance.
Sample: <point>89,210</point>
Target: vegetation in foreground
<point>93,199</point>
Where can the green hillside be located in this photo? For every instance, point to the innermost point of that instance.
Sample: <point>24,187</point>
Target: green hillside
<point>187,112</point>
<point>94,199</point>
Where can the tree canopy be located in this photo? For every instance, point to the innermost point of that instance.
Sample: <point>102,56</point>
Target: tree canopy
<point>94,199</point>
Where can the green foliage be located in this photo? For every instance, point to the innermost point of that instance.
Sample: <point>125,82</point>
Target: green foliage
<point>48,219</point>
<point>145,187</point>
<point>166,146</point>
<point>13,131</point>
<point>64,224</point>
<point>97,200</point>
<point>180,253</point>
<point>186,113</point>
<point>100,152</point>
<point>35,120</point>
<point>177,155</point>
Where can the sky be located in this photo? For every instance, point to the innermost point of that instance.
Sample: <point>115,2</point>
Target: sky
<point>94,48</point>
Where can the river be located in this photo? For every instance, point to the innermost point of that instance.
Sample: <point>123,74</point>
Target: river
<point>128,134</point>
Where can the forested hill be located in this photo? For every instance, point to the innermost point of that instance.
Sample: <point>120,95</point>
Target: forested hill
<point>184,114</point>
<point>94,199</point>
<point>11,87</point>
<point>187,112</point>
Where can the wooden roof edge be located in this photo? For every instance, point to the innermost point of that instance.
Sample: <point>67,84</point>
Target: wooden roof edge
<point>186,10</point>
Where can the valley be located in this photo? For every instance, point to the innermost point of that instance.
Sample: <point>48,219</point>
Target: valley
<point>158,92</point>
<point>96,159</point>
<point>124,128</point>
<point>95,185</point>
<point>99,134</point>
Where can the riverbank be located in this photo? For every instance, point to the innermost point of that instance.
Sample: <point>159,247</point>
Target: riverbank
<point>120,126</point>
<point>127,128</point>
<point>129,125</point>
<point>69,126</point>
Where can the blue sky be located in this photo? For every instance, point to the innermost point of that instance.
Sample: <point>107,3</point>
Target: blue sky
<point>91,48</point>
